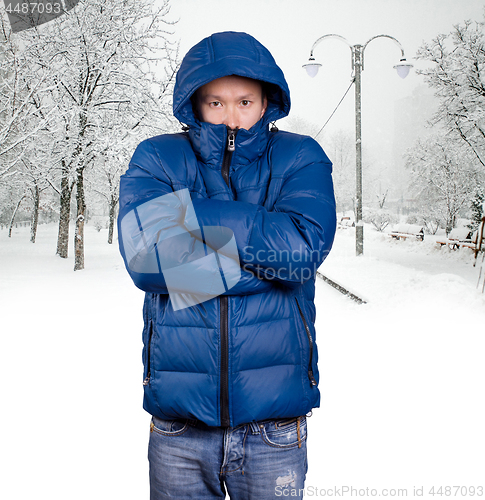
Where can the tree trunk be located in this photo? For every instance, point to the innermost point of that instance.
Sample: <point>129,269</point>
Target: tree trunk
<point>80,201</point>
<point>13,216</point>
<point>64,215</point>
<point>35,215</point>
<point>112,215</point>
<point>450,223</point>
<point>81,208</point>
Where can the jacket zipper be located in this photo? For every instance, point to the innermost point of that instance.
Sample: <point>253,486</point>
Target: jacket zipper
<point>150,333</point>
<point>313,382</point>
<point>225,420</point>
<point>224,307</point>
<point>231,147</point>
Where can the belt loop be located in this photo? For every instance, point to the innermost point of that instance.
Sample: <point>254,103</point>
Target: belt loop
<point>298,431</point>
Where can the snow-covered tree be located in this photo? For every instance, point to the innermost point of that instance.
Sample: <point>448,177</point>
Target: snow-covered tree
<point>340,148</point>
<point>299,125</point>
<point>105,178</point>
<point>111,71</point>
<point>34,174</point>
<point>444,178</point>
<point>380,218</point>
<point>458,77</point>
<point>20,118</point>
<point>477,205</point>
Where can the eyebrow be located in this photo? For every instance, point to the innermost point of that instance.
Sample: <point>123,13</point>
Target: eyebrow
<point>216,97</point>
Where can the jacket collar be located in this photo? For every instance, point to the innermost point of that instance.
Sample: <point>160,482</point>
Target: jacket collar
<point>209,142</point>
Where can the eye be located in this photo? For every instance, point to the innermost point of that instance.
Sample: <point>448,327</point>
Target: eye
<point>215,104</point>
<point>245,102</point>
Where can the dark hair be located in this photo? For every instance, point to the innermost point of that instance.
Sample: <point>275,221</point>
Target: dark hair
<point>193,100</point>
<point>265,89</point>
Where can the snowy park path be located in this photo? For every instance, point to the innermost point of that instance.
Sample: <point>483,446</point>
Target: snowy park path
<point>401,377</point>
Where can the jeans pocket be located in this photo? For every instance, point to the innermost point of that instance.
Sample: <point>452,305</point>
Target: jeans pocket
<point>168,427</point>
<point>284,433</point>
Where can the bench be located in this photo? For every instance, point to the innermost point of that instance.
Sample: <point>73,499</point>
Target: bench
<point>459,237</point>
<point>346,222</point>
<point>403,231</point>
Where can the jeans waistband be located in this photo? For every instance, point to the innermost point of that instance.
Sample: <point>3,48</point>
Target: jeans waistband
<point>254,426</point>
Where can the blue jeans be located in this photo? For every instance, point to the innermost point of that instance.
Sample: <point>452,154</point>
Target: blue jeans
<point>260,460</point>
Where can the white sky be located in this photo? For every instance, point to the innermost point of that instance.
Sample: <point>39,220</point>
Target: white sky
<point>288,29</point>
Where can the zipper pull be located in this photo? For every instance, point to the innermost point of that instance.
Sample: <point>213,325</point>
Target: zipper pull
<point>231,140</point>
<point>147,380</point>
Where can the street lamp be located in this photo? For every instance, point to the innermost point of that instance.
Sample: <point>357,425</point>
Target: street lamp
<point>357,54</point>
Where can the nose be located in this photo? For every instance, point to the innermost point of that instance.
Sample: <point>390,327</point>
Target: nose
<point>231,120</point>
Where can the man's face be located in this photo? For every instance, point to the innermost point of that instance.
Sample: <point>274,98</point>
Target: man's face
<point>232,100</point>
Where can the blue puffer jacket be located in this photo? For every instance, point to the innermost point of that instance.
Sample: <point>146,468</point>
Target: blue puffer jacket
<point>245,352</point>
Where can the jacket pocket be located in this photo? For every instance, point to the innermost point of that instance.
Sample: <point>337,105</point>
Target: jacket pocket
<point>148,349</point>
<point>313,382</point>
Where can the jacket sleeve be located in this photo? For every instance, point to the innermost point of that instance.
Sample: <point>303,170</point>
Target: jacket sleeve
<point>163,247</point>
<point>290,242</point>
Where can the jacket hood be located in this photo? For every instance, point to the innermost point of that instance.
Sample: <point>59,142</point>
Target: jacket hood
<point>224,54</point>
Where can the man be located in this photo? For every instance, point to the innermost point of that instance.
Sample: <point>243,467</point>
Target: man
<point>224,227</point>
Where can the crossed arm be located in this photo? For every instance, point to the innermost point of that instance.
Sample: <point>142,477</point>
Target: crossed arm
<point>162,228</point>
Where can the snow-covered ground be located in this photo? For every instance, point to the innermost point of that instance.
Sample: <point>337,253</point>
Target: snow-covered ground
<point>402,377</point>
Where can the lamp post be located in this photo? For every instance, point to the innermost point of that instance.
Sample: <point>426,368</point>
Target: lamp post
<point>357,54</point>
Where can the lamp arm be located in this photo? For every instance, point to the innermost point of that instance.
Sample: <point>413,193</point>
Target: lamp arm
<point>385,36</point>
<point>329,36</point>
